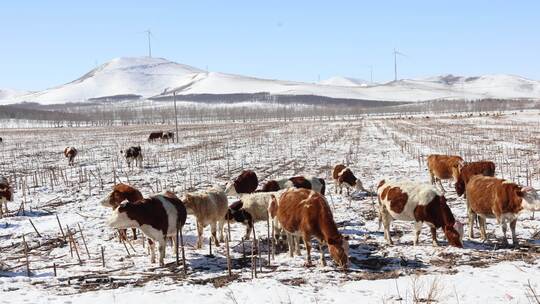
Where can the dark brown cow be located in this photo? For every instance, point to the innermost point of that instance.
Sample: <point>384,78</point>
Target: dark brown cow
<point>158,217</point>
<point>444,167</point>
<point>121,193</point>
<point>305,213</point>
<point>70,153</point>
<point>6,195</point>
<point>419,203</point>
<point>304,182</point>
<point>246,182</point>
<point>167,136</point>
<point>343,176</point>
<point>485,168</point>
<point>155,135</point>
<point>501,199</point>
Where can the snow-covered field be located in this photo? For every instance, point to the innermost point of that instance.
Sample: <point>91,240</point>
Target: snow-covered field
<point>375,148</point>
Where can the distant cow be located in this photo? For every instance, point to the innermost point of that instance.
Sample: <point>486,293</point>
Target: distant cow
<point>1,140</point>
<point>167,136</point>
<point>444,167</point>
<point>251,208</point>
<point>305,213</point>
<point>210,208</point>
<point>133,154</point>
<point>6,195</point>
<point>121,193</point>
<point>485,168</point>
<point>343,176</point>
<point>501,199</point>
<point>70,153</point>
<point>305,182</point>
<point>155,135</point>
<point>246,182</point>
<point>158,217</point>
<point>419,203</point>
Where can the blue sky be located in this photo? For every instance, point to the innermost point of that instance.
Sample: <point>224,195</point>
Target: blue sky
<point>47,43</point>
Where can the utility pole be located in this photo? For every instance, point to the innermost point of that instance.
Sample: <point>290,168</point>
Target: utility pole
<point>175,116</point>
<point>149,33</point>
<point>395,65</point>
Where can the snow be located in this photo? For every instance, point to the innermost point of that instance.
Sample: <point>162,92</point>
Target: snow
<point>150,77</point>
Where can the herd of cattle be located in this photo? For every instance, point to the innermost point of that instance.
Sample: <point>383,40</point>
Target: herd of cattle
<point>298,210</point>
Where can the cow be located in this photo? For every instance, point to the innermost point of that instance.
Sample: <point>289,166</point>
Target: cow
<point>306,213</point>
<point>444,167</point>
<point>158,217</point>
<point>343,176</point>
<point>419,203</point>
<point>246,182</point>
<point>155,135</point>
<point>133,154</point>
<point>251,208</point>
<point>305,182</point>
<point>6,195</point>
<point>210,208</point>
<point>490,197</point>
<point>70,153</point>
<point>485,168</point>
<point>119,194</point>
<point>1,140</point>
<point>167,136</point>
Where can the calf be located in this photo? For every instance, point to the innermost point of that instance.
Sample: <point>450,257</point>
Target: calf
<point>305,182</point>
<point>246,182</point>
<point>251,208</point>
<point>343,176</point>
<point>158,217</point>
<point>420,203</point>
<point>6,195</point>
<point>485,168</point>
<point>444,167</point>
<point>155,135</point>
<point>210,208</point>
<point>501,199</point>
<point>305,213</point>
<point>121,193</point>
<point>70,153</point>
<point>133,154</point>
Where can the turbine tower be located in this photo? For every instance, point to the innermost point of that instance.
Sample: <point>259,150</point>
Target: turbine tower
<point>149,34</point>
<point>396,52</point>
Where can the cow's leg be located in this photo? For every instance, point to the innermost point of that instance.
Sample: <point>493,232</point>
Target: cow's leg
<point>290,243</point>
<point>321,250</point>
<point>417,230</point>
<point>134,230</point>
<point>248,231</point>
<point>440,184</point>
<point>482,222</point>
<point>152,247</point>
<point>470,215</point>
<point>200,229</point>
<point>387,220</point>
<point>336,187</point>
<point>513,229</point>
<point>162,245</point>
<point>213,227</point>
<point>434,237</point>
<point>307,243</point>
<point>221,224</point>
<point>504,227</point>
<point>432,177</point>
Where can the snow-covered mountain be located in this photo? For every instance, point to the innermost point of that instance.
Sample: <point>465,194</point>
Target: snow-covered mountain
<point>6,94</point>
<point>147,77</point>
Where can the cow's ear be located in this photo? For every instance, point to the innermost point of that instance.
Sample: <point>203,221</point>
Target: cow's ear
<point>237,205</point>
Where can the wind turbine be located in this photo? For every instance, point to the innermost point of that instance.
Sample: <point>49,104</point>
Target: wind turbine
<point>396,52</point>
<point>149,34</point>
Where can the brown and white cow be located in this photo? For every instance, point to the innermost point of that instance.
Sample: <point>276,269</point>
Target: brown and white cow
<point>155,135</point>
<point>133,154</point>
<point>304,182</point>
<point>119,194</point>
<point>306,213</point>
<point>419,203</point>
<point>70,153</point>
<point>158,217</point>
<point>6,195</point>
<point>246,182</point>
<point>210,208</point>
<point>490,197</point>
<point>444,167</point>
<point>343,176</point>
<point>485,168</point>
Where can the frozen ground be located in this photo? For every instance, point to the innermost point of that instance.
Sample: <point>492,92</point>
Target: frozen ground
<point>375,148</point>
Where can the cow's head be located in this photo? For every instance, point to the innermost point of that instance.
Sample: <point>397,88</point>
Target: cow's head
<point>339,251</point>
<point>120,193</point>
<point>6,192</point>
<point>460,185</point>
<point>530,198</point>
<point>230,189</point>
<point>120,217</point>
